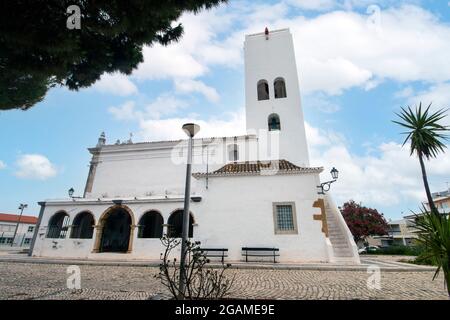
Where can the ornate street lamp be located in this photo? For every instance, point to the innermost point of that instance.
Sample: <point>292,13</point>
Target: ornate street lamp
<point>191,130</point>
<point>325,186</point>
<point>70,192</point>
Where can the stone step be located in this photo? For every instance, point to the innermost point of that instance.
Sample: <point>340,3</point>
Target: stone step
<point>343,253</point>
<point>336,236</point>
<point>336,242</point>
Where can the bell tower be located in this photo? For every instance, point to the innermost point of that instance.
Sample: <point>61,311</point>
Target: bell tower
<point>272,93</point>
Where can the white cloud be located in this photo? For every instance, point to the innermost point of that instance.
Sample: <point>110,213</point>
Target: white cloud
<point>35,166</point>
<point>313,4</point>
<point>335,50</point>
<point>117,84</point>
<point>230,124</point>
<point>167,62</point>
<point>339,50</point>
<point>385,177</point>
<point>164,105</point>
<point>438,95</point>
<point>404,93</point>
<point>188,85</point>
<point>2,165</point>
<point>124,112</point>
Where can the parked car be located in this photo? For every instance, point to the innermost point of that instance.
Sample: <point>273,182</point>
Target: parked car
<point>369,249</point>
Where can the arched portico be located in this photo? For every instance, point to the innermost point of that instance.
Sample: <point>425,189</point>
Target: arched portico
<point>175,223</point>
<point>115,230</point>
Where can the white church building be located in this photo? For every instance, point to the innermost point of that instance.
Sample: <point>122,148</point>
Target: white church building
<point>251,195</point>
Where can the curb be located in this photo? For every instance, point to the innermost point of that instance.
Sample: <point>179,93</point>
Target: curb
<point>238,266</point>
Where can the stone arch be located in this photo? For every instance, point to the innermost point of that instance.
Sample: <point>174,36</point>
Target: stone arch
<point>103,228</point>
<point>83,225</point>
<point>58,224</point>
<point>175,223</point>
<point>151,225</point>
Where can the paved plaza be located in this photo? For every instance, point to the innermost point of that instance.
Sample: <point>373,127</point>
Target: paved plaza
<point>23,280</point>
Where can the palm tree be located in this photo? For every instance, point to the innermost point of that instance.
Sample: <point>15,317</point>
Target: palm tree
<point>426,136</point>
<point>434,235</point>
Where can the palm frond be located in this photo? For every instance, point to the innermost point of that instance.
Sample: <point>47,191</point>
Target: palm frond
<point>425,134</point>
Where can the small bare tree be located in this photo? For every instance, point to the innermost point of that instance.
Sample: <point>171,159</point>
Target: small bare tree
<point>202,281</point>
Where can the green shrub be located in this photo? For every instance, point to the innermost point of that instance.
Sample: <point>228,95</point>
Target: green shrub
<point>400,250</point>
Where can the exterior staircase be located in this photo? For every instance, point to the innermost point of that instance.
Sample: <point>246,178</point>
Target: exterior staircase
<point>343,247</point>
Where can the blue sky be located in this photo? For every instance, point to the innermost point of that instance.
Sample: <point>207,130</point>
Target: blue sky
<point>358,62</point>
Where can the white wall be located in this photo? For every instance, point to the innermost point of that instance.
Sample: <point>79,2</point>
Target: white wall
<point>238,212</point>
<point>234,212</point>
<point>157,168</point>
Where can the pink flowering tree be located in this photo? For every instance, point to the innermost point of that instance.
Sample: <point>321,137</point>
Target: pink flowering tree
<point>363,222</point>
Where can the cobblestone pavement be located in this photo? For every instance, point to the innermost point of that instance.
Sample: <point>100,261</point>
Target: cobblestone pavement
<point>48,281</point>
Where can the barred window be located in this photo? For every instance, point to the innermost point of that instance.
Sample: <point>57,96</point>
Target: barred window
<point>285,218</point>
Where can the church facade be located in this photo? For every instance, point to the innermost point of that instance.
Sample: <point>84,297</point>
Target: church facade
<point>256,190</point>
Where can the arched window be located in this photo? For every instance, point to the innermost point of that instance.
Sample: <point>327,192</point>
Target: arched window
<point>263,90</point>
<point>58,225</point>
<point>279,88</point>
<point>176,225</point>
<point>151,225</point>
<point>233,152</point>
<point>274,122</point>
<point>83,226</point>
<point>115,230</point>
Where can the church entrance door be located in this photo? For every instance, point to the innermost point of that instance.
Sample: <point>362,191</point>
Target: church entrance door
<point>116,231</point>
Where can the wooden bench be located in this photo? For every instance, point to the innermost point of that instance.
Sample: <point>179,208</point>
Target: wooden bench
<point>215,252</point>
<point>260,252</point>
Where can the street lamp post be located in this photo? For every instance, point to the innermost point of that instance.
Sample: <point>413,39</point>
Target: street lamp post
<point>325,186</point>
<point>21,207</point>
<point>191,130</point>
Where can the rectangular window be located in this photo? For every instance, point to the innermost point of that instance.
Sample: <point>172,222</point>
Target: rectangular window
<point>7,228</point>
<point>285,218</point>
<point>9,240</point>
<point>2,240</point>
<point>30,229</point>
<point>27,241</point>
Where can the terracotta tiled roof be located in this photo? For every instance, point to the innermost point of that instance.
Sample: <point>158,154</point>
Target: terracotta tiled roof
<point>259,167</point>
<point>4,217</point>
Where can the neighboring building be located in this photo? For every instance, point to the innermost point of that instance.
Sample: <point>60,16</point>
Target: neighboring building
<point>441,201</point>
<point>401,233</point>
<point>25,229</point>
<point>255,190</point>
